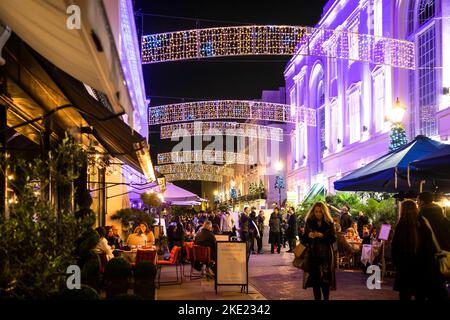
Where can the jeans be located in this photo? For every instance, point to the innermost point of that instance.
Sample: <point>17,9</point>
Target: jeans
<point>275,240</point>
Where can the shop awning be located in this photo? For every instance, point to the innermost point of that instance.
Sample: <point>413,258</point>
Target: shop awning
<point>88,54</point>
<point>116,136</point>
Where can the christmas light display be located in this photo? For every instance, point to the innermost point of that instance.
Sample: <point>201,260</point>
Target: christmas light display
<point>397,138</point>
<point>208,156</point>
<point>276,40</point>
<point>230,109</point>
<point>190,176</point>
<point>194,168</point>
<point>236,129</point>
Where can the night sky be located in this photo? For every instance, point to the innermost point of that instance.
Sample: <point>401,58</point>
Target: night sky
<point>216,78</point>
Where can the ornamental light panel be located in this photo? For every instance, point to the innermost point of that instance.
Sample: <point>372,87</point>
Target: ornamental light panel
<point>191,176</point>
<point>194,168</point>
<point>230,109</point>
<point>211,128</point>
<point>276,40</point>
<point>208,156</point>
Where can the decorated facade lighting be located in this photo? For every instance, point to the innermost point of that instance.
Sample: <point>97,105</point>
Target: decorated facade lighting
<point>236,129</point>
<point>191,176</point>
<point>194,168</point>
<point>230,109</point>
<point>276,40</point>
<point>208,156</point>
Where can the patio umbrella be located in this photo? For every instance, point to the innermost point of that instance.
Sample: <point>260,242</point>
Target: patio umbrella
<point>434,167</point>
<point>389,172</point>
<point>172,194</point>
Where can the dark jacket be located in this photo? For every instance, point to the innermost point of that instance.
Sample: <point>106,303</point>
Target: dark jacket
<point>260,224</point>
<point>292,230</point>
<point>414,269</point>
<point>275,228</point>
<point>251,226</point>
<point>244,222</point>
<point>346,221</point>
<point>439,223</point>
<point>206,238</point>
<point>362,221</point>
<point>320,267</point>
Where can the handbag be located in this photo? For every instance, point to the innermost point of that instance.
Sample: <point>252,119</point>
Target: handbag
<point>442,256</point>
<point>301,260</point>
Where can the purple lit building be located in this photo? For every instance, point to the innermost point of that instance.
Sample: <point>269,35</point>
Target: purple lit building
<point>353,98</point>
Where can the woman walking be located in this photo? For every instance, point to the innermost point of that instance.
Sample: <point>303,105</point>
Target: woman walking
<point>319,237</point>
<point>411,248</point>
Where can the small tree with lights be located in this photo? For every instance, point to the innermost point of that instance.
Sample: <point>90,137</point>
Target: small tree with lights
<point>398,133</point>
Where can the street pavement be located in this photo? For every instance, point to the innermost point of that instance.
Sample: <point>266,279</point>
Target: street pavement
<point>272,276</point>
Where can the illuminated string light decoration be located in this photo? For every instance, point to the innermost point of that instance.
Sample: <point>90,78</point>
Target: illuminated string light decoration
<point>194,168</point>
<point>236,129</point>
<point>230,109</point>
<point>189,176</point>
<point>276,40</point>
<point>208,156</point>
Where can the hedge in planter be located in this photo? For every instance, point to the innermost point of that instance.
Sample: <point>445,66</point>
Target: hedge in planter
<point>144,280</point>
<point>117,276</point>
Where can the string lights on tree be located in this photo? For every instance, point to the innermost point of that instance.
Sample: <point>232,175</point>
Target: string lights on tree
<point>230,109</point>
<point>398,136</point>
<point>276,40</point>
<point>236,129</point>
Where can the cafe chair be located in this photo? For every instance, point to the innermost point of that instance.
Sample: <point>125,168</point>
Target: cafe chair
<point>188,247</point>
<point>200,256</point>
<point>103,261</point>
<point>173,261</point>
<point>145,255</point>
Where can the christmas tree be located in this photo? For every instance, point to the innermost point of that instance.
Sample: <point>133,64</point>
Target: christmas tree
<point>397,138</point>
<point>279,182</point>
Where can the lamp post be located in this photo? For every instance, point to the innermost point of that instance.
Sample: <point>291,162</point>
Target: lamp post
<point>398,134</point>
<point>279,180</point>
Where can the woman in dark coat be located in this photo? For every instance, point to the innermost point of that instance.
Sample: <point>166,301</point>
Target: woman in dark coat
<point>275,231</point>
<point>411,253</point>
<point>319,236</point>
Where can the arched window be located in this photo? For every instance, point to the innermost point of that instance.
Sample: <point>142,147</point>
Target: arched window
<point>411,11</point>
<point>427,10</point>
<point>320,94</point>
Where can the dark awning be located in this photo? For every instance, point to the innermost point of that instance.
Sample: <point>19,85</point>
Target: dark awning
<point>115,135</point>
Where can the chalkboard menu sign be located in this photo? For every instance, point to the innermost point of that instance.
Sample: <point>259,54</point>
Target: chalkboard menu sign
<point>232,264</point>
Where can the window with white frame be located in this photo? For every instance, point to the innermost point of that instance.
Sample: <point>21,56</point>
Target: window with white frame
<point>379,100</point>
<point>292,97</point>
<point>354,107</point>
<point>378,18</point>
<point>335,123</point>
<point>353,43</point>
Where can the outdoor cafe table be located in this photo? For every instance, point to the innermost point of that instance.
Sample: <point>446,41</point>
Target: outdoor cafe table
<point>130,255</point>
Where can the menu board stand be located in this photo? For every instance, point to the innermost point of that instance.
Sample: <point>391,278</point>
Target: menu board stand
<point>232,265</point>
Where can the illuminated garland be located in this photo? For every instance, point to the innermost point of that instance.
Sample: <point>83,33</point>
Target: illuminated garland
<point>230,109</point>
<point>208,156</point>
<point>276,40</point>
<point>189,176</point>
<point>221,128</point>
<point>194,168</point>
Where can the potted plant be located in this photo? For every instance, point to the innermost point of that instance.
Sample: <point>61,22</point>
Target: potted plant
<point>144,280</point>
<point>117,276</point>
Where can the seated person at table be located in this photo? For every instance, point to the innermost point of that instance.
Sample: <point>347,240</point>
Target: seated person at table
<point>175,233</point>
<point>355,227</point>
<point>102,245</point>
<point>149,233</point>
<point>206,238</point>
<point>352,239</point>
<point>366,235</point>
<point>189,233</point>
<point>113,241</point>
<point>141,237</point>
